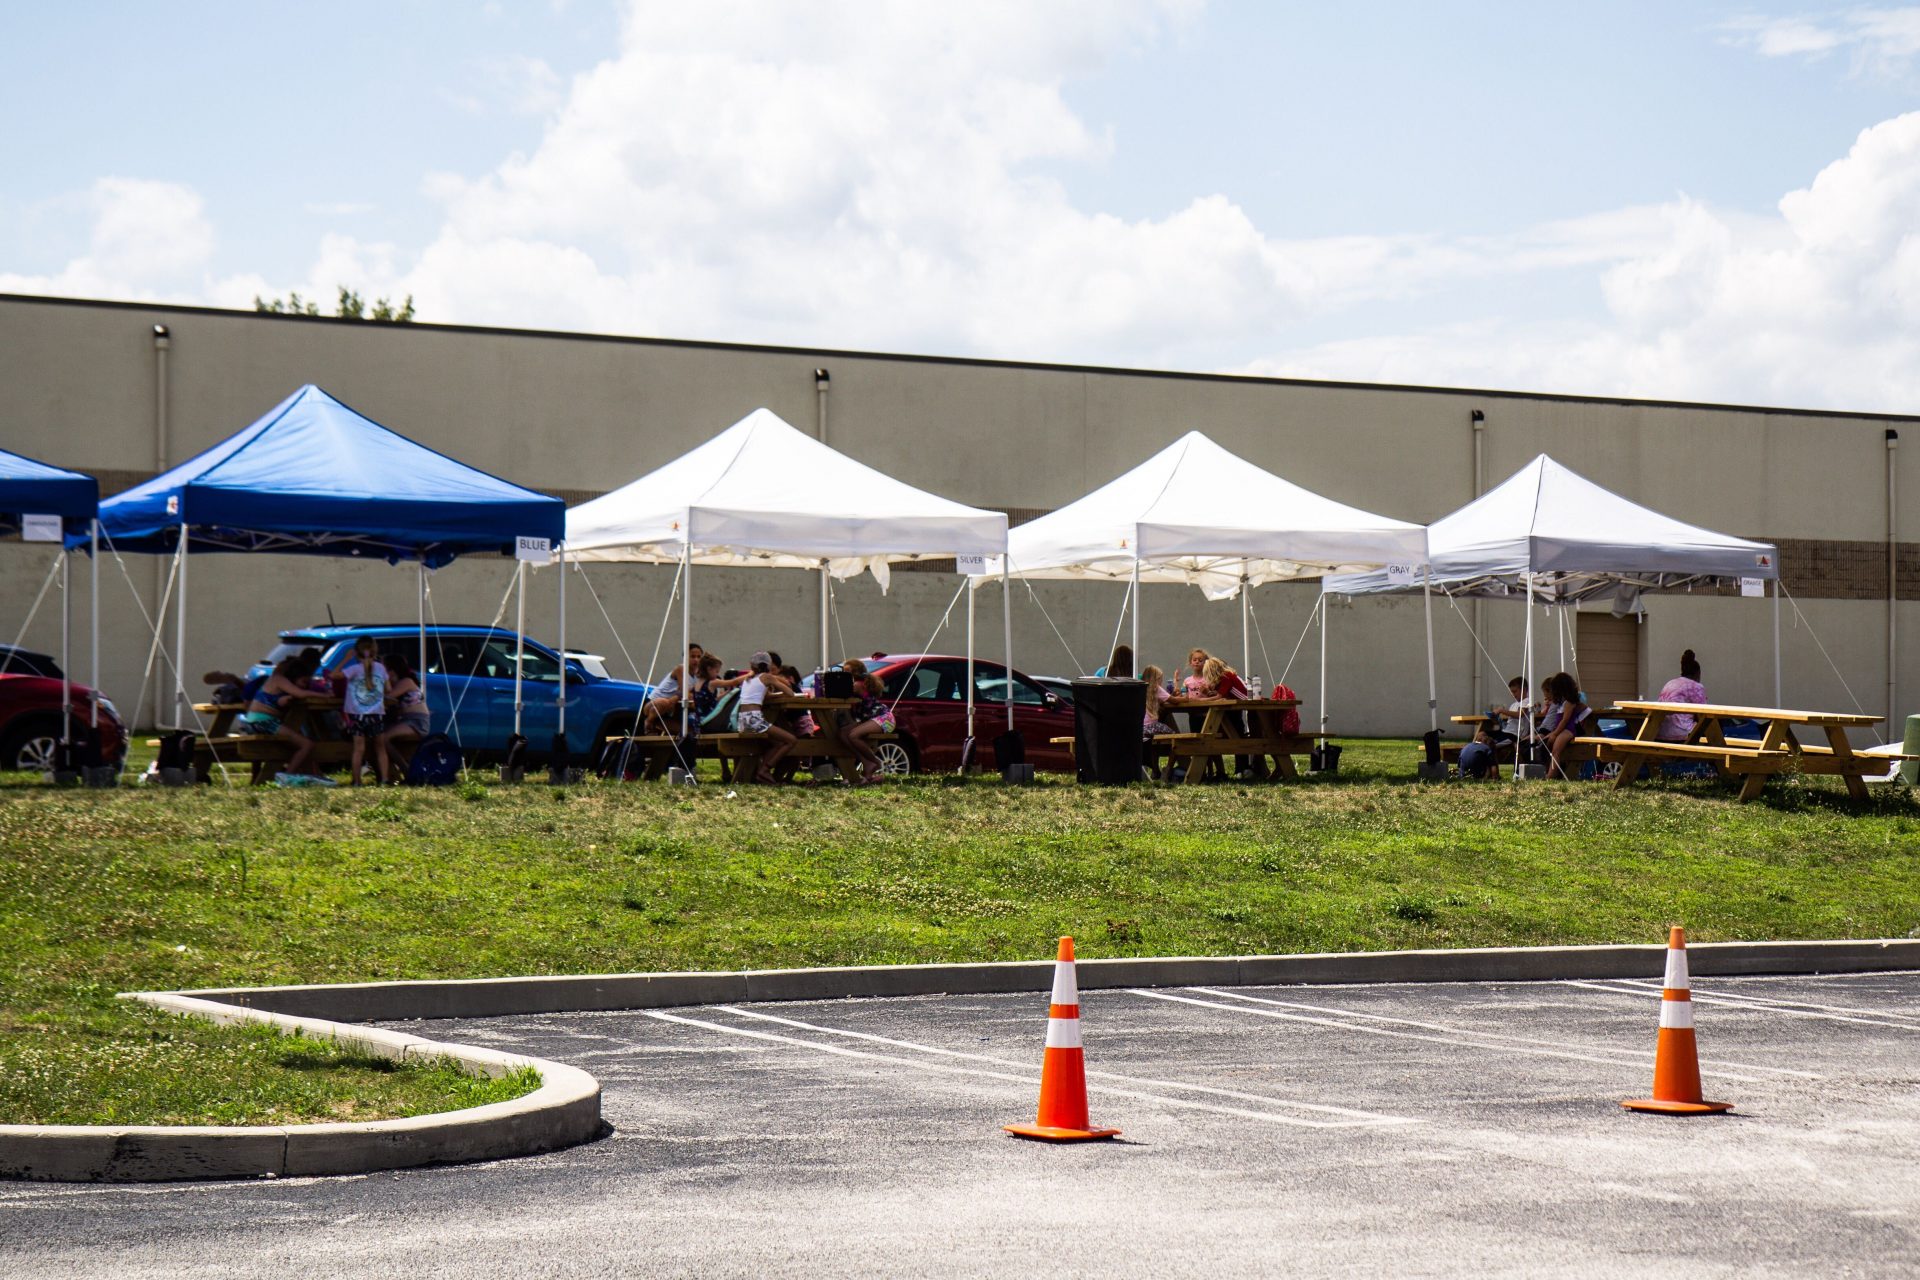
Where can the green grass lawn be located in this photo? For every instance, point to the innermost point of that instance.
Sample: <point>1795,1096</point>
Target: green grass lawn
<point>143,888</point>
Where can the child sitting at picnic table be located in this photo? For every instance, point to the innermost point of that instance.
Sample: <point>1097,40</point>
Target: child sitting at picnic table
<point>755,684</point>
<point>1566,710</point>
<point>292,677</point>
<point>1155,723</point>
<point>1514,713</point>
<point>662,711</point>
<point>1222,681</point>
<point>365,706</point>
<point>706,692</point>
<point>408,720</point>
<point>1685,687</point>
<point>1194,683</point>
<point>871,716</point>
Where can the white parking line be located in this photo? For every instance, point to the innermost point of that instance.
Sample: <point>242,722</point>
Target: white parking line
<point>1371,1117</point>
<point>1028,1079</point>
<point>1459,1037</point>
<point>1798,1008</point>
<point>1502,1038</point>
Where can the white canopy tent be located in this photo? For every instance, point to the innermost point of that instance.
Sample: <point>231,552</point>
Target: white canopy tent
<point>1548,534</point>
<point>762,493</point>
<point>1196,513</point>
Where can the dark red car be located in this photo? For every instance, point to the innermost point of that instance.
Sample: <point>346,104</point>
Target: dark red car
<point>30,723</point>
<point>931,714</point>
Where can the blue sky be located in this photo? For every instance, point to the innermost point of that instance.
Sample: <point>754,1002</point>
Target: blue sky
<point>1553,197</point>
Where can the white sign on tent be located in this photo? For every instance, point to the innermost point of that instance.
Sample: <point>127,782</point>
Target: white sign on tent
<point>34,528</point>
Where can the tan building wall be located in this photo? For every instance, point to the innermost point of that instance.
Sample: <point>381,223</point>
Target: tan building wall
<point>576,416</point>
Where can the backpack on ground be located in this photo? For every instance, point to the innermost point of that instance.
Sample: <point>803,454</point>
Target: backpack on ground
<point>436,762</point>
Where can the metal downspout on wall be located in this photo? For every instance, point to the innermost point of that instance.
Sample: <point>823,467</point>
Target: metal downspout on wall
<point>1895,721</point>
<point>821,381</point>
<point>1479,420</point>
<point>162,344</point>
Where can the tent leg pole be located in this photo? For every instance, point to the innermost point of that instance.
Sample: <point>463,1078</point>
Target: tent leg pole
<point>1006,634</point>
<point>66,655</point>
<point>1134,603</point>
<point>520,640</point>
<point>562,704</point>
<point>970,595</point>
<point>1323,659</point>
<point>686,634</point>
<point>93,621</point>
<point>421,602</point>
<point>1433,687</point>
<point>826,608</point>
<point>1776,647</point>
<point>180,636</point>
<point>1246,640</point>
<point>1527,665</point>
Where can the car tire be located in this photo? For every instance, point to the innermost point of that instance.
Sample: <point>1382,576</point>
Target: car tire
<point>30,747</point>
<point>898,757</point>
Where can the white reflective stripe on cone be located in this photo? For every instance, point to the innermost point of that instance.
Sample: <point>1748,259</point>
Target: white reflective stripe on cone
<point>1675,1015</point>
<point>1065,989</point>
<point>1064,1033</point>
<point>1677,969</point>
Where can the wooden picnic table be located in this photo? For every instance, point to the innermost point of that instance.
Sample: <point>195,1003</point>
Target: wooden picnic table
<point>315,716</point>
<point>742,751</point>
<point>1754,760</point>
<point>1218,737</point>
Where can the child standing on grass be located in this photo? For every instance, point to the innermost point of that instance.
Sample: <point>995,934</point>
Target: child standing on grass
<point>366,701</point>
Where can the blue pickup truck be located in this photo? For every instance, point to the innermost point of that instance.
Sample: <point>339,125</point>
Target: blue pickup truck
<point>469,683</point>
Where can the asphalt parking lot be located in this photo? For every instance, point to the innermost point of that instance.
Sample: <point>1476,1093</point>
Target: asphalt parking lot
<point>1468,1129</point>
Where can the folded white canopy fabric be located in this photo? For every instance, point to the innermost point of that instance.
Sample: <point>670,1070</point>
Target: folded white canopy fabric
<point>1195,513</point>
<point>1575,537</point>
<point>763,493</point>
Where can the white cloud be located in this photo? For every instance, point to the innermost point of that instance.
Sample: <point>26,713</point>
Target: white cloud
<point>1817,306</point>
<point>148,239</point>
<point>1881,42</point>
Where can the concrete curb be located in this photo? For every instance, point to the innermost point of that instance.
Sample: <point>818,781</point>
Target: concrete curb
<point>501,997</point>
<point>563,1111</point>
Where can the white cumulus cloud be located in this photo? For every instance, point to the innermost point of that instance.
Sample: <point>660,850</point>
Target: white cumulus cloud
<point>1880,42</point>
<point>1818,305</point>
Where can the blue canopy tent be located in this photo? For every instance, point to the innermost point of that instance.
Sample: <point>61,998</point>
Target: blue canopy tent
<point>315,477</point>
<point>45,503</point>
<point>38,488</point>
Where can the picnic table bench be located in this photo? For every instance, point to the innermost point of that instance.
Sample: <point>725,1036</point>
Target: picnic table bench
<point>266,757</point>
<point>1217,735</point>
<point>1579,751</point>
<point>739,753</point>
<point>1160,748</point>
<point>1753,760</point>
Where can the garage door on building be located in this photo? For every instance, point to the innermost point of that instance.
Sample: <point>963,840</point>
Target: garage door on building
<point>1609,651</point>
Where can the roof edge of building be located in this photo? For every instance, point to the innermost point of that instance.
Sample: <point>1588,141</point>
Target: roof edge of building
<point>563,335</point>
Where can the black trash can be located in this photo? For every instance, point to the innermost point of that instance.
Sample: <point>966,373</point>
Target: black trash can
<point>1107,719</point>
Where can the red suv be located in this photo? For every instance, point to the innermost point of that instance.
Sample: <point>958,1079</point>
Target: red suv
<point>931,713</point>
<point>30,723</point>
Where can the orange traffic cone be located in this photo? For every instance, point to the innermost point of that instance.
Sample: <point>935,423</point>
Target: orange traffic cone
<point>1063,1073</point>
<point>1676,1064</point>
